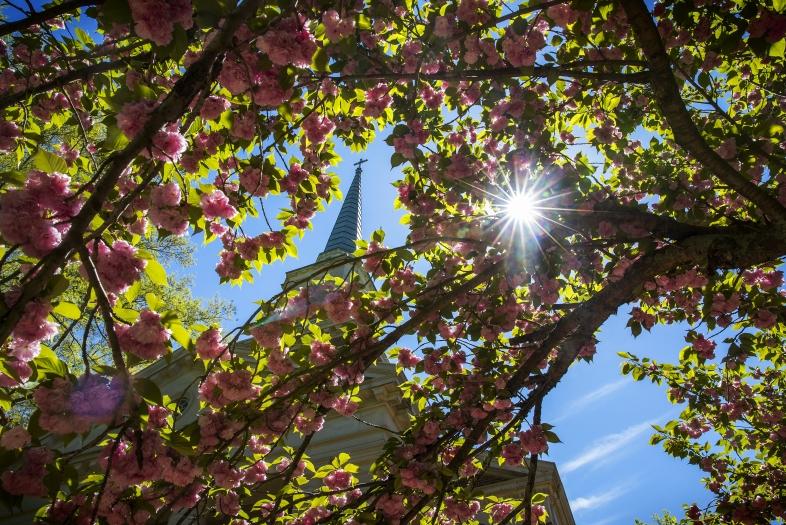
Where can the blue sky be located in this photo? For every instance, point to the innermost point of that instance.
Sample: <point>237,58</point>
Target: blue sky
<point>610,472</point>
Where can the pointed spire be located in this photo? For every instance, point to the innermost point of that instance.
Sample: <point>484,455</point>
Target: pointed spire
<point>348,226</point>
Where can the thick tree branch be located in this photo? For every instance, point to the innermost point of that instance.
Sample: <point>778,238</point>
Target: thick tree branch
<point>47,14</point>
<point>671,104</point>
<point>106,310</point>
<point>576,328</point>
<point>641,77</point>
<point>660,226</point>
<point>67,78</point>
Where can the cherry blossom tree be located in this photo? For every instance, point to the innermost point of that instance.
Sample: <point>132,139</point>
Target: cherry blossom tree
<point>563,161</point>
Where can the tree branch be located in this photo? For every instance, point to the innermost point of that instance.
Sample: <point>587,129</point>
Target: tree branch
<point>106,309</point>
<point>686,134</point>
<point>47,14</point>
<point>641,77</point>
<point>67,78</point>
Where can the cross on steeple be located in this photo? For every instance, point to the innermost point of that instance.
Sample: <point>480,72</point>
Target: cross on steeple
<point>348,224</point>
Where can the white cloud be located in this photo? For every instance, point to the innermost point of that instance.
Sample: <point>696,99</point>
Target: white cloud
<point>607,520</point>
<point>604,449</point>
<point>593,396</point>
<point>598,500</point>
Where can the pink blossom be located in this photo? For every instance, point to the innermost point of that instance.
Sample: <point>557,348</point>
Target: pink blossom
<point>289,42</point>
<point>133,116</point>
<point>166,210</point>
<point>764,319</point>
<point>230,265</point>
<point>155,19</point>
<point>321,353</point>
<point>317,128</point>
<point>338,307</point>
<point>213,106</point>
<point>146,339</point>
<point>337,28</point>
<point>28,480</point>
<point>31,329</point>
<point>118,267</point>
<point>377,100</point>
<point>225,387</point>
<point>728,149</point>
<point>216,205</point>
<point>562,15</point>
<point>13,438</point>
<point>74,408</point>
<point>244,125</point>
<point>38,215</point>
<point>168,145</point>
<point>534,440</point>
<point>704,347</point>
<point>473,11</point>
<point>338,480</point>
<point>9,132</point>
<point>268,335</point>
<point>234,75</point>
<point>268,92</point>
<point>209,346</point>
<point>254,181</point>
<point>407,358</point>
<point>518,51</point>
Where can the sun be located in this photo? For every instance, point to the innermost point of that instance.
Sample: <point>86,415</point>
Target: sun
<point>522,207</point>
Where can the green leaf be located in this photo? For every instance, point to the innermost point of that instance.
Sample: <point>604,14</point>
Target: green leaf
<point>49,162</point>
<point>180,334</point>
<point>49,365</point>
<point>320,60</point>
<point>777,49</point>
<point>149,390</point>
<point>156,272</point>
<point>13,177</point>
<point>68,310</point>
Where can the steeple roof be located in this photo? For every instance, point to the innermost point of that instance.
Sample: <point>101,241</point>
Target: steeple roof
<point>347,228</point>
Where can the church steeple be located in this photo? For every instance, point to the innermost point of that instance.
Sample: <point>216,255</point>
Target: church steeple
<point>347,228</point>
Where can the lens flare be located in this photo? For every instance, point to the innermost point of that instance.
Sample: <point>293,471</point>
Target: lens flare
<point>522,207</point>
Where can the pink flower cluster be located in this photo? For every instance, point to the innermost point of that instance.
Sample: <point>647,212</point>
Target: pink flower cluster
<point>289,42</point>
<point>13,438</point>
<point>28,480</point>
<point>213,107</point>
<point>321,353</point>
<point>209,345</point>
<point>337,28</point>
<point>30,330</point>
<point>532,441</point>
<point>317,128</point>
<point>156,19</point>
<point>254,181</point>
<point>216,205</point>
<point>68,408</point>
<point>132,117</point>
<point>338,307</point>
<point>9,132</point>
<point>704,347</point>
<point>169,144</point>
<point>118,266</point>
<point>225,387</point>
<point>38,215</point>
<point>338,480</point>
<point>147,338</point>
<point>521,50</point>
<point>377,100</point>
<point>166,211</point>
